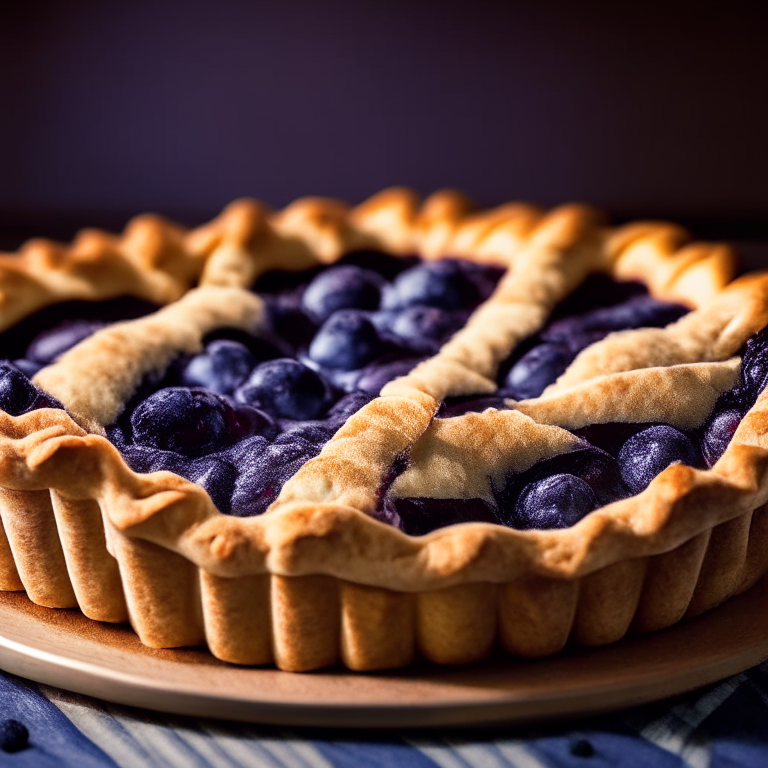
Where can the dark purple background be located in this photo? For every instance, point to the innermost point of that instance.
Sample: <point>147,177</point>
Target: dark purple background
<point>111,109</point>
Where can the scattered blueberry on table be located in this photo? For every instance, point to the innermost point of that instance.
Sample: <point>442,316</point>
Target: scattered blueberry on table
<point>14,736</point>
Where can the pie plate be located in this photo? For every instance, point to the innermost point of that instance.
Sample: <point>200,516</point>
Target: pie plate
<point>65,649</point>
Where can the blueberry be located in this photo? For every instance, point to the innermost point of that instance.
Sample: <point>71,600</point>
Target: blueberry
<point>191,422</point>
<point>637,312</point>
<point>650,452</point>
<point>344,287</point>
<point>718,434</point>
<point>214,473</point>
<point>579,331</point>
<point>17,392</point>
<point>347,341</point>
<point>287,388</point>
<point>50,344</point>
<point>596,468</point>
<point>14,735</point>
<point>557,501</point>
<point>536,370</point>
<point>426,325</point>
<point>754,364</point>
<point>289,321</point>
<point>222,367</point>
<point>443,284</point>
<point>376,376</point>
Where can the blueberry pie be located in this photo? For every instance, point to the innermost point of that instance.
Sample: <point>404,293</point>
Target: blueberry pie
<point>366,435</point>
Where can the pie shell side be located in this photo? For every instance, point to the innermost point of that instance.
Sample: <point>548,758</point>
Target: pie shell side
<point>312,584</point>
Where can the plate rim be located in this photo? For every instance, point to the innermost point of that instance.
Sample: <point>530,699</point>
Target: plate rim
<point>502,704</point>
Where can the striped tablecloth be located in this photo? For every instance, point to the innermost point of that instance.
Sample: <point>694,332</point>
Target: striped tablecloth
<point>723,726</point>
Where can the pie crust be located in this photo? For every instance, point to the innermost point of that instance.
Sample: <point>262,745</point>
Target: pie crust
<point>317,580</point>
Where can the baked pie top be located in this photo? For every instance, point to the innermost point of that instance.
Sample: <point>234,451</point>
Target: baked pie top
<point>641,406</point>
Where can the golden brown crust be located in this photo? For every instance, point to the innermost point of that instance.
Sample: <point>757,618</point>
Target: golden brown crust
<point>444,463</point>
<point>304,538</point>
<point>153,259</point>
<point>680,395</point>
<point>316,579</point>
<point>713,332</point>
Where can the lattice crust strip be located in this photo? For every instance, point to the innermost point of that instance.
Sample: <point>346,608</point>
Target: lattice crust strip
<point>714,332</point>
<point>115,360</point>
<point>643,376</point>
<point>315,580</point>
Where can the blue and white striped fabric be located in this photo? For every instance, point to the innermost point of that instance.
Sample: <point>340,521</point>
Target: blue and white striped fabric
<point>723,726</point>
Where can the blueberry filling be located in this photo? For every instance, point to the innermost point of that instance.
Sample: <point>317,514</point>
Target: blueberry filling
<point>558,492</point>
<point>419,516</point>
<point>245,414</point>
<point>242,416</point>
<point>43,336</point>
<point>38,340</point>
<point>618,460</point>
